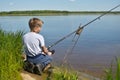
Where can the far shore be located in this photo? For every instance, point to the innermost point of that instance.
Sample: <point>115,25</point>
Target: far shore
<point>53,13</point>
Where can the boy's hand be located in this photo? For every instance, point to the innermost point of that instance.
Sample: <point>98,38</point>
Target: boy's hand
<point>23,56</point>
<point>51,52</point>
<point>48,52</point>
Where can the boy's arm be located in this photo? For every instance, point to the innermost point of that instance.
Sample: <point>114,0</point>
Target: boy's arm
<point>44,49</point>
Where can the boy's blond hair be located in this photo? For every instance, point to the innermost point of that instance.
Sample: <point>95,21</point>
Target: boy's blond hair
<point>35,22</point>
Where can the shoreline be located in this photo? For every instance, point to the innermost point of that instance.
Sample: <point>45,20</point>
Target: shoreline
<point>29,76</point>
<point>53,13</point>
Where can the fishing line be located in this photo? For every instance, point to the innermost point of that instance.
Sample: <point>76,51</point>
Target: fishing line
<point>70,50</point>
<point>78,33</point>
<point>82,27</point>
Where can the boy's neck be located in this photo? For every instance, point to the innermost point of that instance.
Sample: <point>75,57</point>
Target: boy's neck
<point>33,31</point>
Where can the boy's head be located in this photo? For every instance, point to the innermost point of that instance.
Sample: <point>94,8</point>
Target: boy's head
<point>35,24</point>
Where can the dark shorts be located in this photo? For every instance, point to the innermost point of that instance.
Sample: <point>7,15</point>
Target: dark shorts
<point>40,59</point>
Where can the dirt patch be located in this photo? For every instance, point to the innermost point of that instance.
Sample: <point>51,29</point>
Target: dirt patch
<point>29,76</point>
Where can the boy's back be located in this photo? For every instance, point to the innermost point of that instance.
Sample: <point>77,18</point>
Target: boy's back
<point>32,43</point>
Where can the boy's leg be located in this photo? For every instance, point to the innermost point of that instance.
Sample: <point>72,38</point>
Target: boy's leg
<point>38,69</point>
<point>43,60</point>
<point>42,63</point>
<point>28,66</point>
<point>46,60</point>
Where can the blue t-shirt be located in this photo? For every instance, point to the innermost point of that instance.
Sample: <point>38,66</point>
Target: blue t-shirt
<point>33,43</point>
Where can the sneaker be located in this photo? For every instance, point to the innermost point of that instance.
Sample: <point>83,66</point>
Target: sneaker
<point>38,69</point>
<point>48,66</point>
<point>28,66</point>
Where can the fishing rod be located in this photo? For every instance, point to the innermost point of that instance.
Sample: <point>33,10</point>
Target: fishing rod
<point>79,30</point>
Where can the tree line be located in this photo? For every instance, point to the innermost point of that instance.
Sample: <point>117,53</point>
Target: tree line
<point>51,12</point>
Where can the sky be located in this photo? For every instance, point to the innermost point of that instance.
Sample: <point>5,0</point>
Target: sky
<point>68,5</point>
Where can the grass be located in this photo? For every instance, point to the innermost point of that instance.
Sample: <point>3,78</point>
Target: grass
<point>10,52</point>
<point>110,75</point>
<point>64,74</point>
<point>60,73</point>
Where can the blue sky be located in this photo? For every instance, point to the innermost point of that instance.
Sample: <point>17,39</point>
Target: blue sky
<point>69,5</point>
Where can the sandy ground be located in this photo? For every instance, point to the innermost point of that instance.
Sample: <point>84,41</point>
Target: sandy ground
<point>29,76</point>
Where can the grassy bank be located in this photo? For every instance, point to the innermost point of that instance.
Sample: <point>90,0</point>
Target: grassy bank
<point>64,74</point>
<point>10,51</point>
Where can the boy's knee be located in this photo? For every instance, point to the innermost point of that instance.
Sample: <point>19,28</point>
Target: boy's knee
<point>50,58</point>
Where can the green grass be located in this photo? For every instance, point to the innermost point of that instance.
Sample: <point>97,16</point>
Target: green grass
<point>64,74</point>
<point>10,55</point>
<point>60,73</point>
<point>110,75</point>
<point>118,69</point>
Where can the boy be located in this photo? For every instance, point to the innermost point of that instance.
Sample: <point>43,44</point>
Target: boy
<point>34,45</point>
